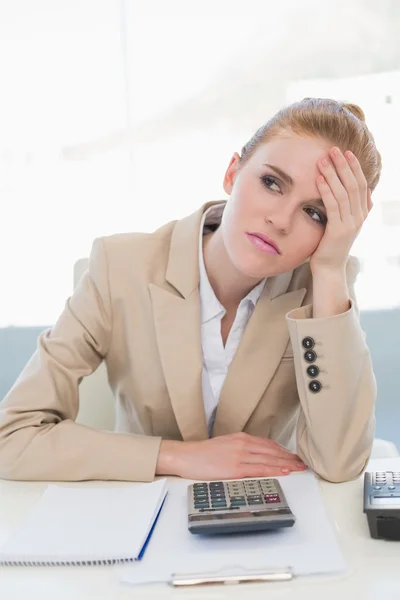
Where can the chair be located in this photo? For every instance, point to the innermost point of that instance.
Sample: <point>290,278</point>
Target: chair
<point>384,449</point>
<point>97,408</point>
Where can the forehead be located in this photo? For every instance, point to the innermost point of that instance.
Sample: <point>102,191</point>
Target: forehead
<point>296,155</point>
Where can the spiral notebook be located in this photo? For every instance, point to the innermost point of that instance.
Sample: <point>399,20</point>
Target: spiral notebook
<point>87,526</point>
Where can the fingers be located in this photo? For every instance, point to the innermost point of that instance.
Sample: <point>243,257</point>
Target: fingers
<point>266,446</point>
<point>369,200</point>
<point>338,189</point>
<point>272,452</point>
<point>254,450</point>
<point>274,462</point>
<point>361,181</point>
<point>259,470</point>
<point>345,178</point>
<point>332,207</point>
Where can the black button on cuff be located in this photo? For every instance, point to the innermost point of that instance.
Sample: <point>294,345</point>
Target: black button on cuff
<point>310,356</point>
<point>312,371</point>
<point>308,343</point>
<point>314,386</point>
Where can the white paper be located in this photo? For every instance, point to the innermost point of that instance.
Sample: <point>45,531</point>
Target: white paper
<point>309,547</point>
<point>78,524</point>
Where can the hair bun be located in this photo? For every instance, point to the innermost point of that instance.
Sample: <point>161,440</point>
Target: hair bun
<point>355,110</point>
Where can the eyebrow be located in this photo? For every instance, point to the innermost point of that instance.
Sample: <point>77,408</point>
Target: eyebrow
<point>289,181</point>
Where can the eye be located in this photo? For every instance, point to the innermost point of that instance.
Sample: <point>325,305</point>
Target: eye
<point>270,182</point>
<point>316,215</point>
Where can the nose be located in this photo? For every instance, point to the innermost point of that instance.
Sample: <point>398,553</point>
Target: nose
<point>281,216</point>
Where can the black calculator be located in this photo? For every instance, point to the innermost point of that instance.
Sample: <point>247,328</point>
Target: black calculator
<point>237,506</point>
<point>382,504</point>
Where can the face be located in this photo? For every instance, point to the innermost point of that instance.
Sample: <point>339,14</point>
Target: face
<point>274,194</point>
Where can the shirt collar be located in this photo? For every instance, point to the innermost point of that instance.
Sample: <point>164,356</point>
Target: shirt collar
<point>210,305</point>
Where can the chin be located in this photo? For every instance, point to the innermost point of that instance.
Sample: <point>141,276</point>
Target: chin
<point>257,273</point>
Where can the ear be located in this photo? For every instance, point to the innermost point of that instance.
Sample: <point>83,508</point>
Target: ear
<point>231,172</point>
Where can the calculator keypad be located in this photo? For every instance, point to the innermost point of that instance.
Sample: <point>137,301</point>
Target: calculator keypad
<point>220,495</point>
<point>386,480</point>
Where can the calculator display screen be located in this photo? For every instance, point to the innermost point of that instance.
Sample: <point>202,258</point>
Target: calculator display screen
<point>392,500</point>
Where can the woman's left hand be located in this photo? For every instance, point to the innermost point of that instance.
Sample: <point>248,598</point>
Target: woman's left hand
<point>347,198</point>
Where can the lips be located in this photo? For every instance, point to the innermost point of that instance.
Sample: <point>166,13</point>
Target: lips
<point>265,239</point>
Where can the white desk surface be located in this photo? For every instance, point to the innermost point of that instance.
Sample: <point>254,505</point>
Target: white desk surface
<point>373,565</point>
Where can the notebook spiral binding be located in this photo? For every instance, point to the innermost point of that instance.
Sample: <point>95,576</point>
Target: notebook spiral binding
<point>65,563</point>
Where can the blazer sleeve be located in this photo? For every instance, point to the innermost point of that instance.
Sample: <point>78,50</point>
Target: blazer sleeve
<point>336,425</point>
<point>39,439</point>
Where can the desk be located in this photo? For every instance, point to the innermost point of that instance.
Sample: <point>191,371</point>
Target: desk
<point>373,565</point>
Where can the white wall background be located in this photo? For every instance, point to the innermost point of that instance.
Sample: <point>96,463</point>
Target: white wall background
<point>119,115</point>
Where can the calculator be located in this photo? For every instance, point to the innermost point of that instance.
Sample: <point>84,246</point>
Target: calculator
<point>237,506</point>
<point>382,504</point>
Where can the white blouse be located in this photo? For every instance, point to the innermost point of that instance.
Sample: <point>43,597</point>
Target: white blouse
<point>216,356</point>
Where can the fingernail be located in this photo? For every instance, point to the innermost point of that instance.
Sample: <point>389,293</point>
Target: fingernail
<point>349,155</point>
<point>285,470</point>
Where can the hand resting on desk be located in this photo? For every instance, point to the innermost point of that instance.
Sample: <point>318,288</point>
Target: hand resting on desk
<point>230,456</point>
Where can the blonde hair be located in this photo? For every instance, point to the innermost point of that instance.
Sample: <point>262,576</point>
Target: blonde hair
<point>339,123</point>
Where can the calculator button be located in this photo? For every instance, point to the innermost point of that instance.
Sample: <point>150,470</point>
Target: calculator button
<point>391,487</point>
<point>270,498</point>
<point>238,502</point>
<point>201,505</point>
<point>377,487</point>
<point>252,491</point>
<point>216,503</point>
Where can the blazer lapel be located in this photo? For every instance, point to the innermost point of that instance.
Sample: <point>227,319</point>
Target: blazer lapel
<point>177,320</point>
<point>257,357</point>
<point>177,324</point>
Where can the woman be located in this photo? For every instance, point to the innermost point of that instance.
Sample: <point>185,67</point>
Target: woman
<point>222,332</point>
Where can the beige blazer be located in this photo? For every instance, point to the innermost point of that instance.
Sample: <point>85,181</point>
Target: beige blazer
<point>137,307</point>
